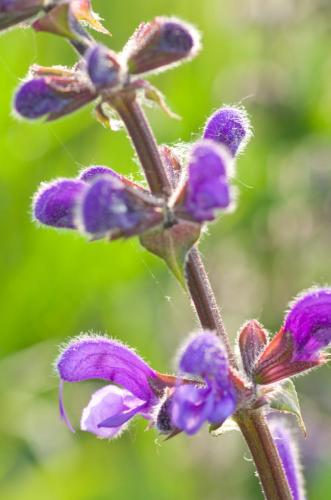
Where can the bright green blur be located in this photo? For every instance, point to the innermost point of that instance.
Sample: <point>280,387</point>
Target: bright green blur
<point>273,57</point>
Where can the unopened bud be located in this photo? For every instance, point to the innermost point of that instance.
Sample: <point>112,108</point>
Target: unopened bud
<point>252,339</point>
<point>159,44</point>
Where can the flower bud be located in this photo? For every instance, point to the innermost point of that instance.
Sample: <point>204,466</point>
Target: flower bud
<point>207,186</point>
<point>103,67</point>
<point>252,339</point>
<point>110,207</point>
<point>229,126</point>
<point>54,204</point>
<point>159,44</point>
<point>51,97</point>
<point>13,12</point>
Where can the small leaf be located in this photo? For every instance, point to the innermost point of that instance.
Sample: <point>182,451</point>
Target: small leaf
<point>227,426</point>
<point>59,21</point>
<point>172,245</point>
<point>286,400</point>
<point>153,95</point>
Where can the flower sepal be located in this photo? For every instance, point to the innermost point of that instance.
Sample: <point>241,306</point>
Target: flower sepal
<point>284,399</point>
<point>172,245</point>
<point>252,338</point>
<point>277,361</point>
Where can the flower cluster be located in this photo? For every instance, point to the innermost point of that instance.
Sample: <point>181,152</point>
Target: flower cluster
<point>170,403</point>
<point>101,202</point>
<point>102,74</point>
<point>206,388</point>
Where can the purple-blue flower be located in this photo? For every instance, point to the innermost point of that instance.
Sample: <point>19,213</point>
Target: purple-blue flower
<point>299,344</point>
<point>207,188</point>
<point>51,97</point>
<point>289,456</point>
<point>213,398</point>
<point>230,127</point>
<point>54,203</point>
<point>159,44</point>
<point>102,67</point>
<point>15,11</point>
<point>170,403</point>
<point>309,322</point>
<point>110,408</point>
<point>100,202</point>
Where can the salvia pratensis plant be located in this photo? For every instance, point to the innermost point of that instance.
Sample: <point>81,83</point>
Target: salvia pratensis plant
<point>186,190</point>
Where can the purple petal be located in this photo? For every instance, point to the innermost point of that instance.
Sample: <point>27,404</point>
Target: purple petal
<point>206,357</point>
<point>109,402</point>
<point>101,358</point>
<point>230,127</point>
<point>190,408</point>
<point>309,322</point>
<point>224,404</point>
<point>161,43</point>
<point>35,99</point>
<point>110,206</point>
<point>102,67</point>
<point>55,203</point>
<point>207,186</point>
<point>289,456</point>
<point>89,174</point>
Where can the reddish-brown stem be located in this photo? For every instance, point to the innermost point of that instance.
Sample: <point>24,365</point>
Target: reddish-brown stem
<point>251,423</point>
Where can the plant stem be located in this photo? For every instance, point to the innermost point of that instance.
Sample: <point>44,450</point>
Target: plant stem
<point>147,150</point>
<point>252,423</point>
<point>256,432</point>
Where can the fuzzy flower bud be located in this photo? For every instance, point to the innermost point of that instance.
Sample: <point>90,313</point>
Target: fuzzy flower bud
<point>13,12</point>
<point>159,44</point>
<point>54,203</point>
<point>102,67</point>
<point>207,187</point>
<point>229,126</point>
<point>51,97</point>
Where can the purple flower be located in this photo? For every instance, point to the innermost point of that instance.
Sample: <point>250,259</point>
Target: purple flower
<point>110,408</point>
<point>299,344</point>
<point>229,126</point>
<point>207,187</point>
<point>213,398</point>
<point>289,456</point>
<point>102,67</point>
<point>51,96</point>
<point>100,202</point>
<point>309,322</point>
<point>15,11</point>
<point>111,207</point>
<point>54,203</point>
<point>159,44</point>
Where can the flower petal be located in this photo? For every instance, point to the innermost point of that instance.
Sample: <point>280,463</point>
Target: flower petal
<point>207,187</point>
<point>101,358</point>
<point>230,127</point>
<point>103,67</point>
<point>190,407</point>
<point>55,203</point>
<point>309,322</point>
<point>109,402</point>
<point>205,356</point>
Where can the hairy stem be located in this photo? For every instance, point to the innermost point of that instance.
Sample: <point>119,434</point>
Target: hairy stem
<point>252,424</point>
<point>264,453</point>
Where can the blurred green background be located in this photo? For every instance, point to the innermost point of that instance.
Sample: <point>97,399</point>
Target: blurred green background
<point>274,57</point>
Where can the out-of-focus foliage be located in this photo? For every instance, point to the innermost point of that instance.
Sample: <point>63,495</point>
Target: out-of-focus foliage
<point>274,57</point>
